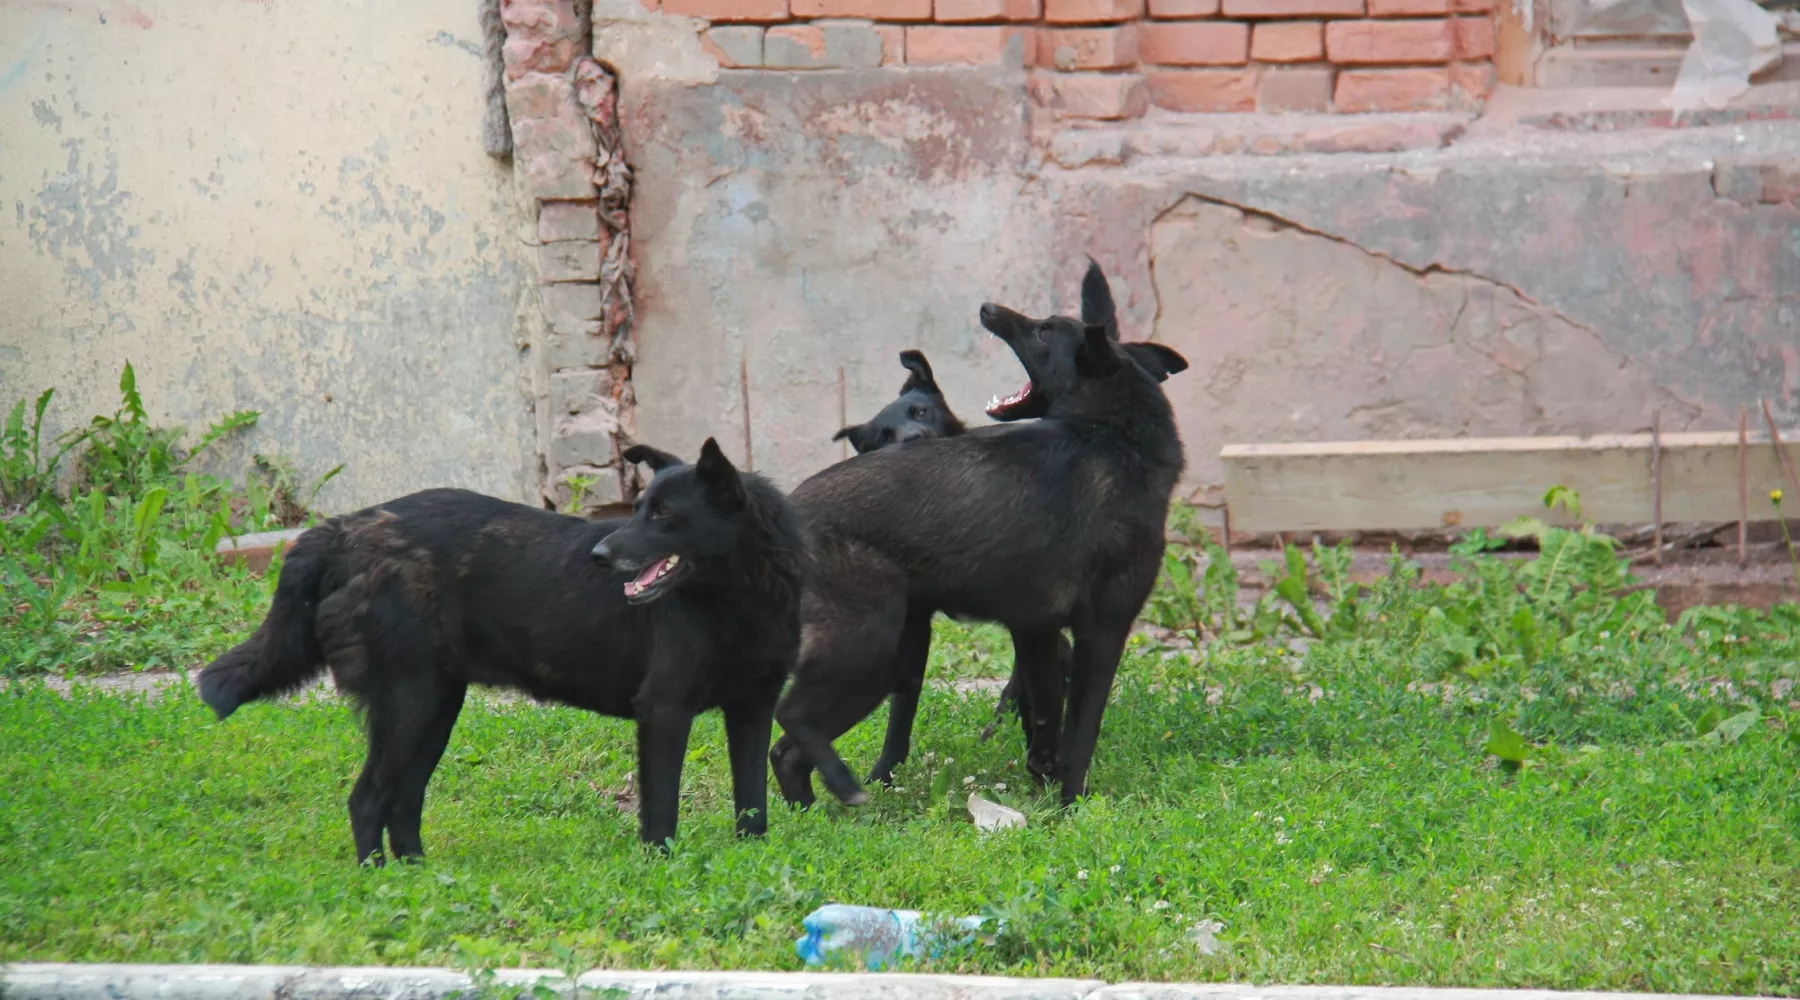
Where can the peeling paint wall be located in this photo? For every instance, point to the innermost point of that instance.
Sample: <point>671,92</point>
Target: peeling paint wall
<point>274,206</point>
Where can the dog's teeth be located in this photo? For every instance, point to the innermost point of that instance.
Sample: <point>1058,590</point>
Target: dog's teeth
<point>673,560</point>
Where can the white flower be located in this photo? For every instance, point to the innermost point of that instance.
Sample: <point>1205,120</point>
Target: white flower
<point>1161,904</point>
<point>1281,837</point>
<point>969,779</point>
<point>1115,869</point>
<point>999,786</point>
<point>1082,874</point>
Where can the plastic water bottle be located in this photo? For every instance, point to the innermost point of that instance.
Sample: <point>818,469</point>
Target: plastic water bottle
<point>877,935</point>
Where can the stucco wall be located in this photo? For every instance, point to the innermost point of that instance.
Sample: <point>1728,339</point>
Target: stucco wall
<point>792,226</point>
<point>272,206</point>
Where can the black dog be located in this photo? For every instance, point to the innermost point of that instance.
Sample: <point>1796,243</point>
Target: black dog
<point>1049,524</point>
<point>694,605</point>
<point>919,412</point>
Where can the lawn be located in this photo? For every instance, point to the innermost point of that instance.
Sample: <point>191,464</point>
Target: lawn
<point>1527,778</point>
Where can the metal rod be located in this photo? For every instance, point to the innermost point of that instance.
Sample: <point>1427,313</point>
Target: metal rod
<point>1780,449</point>
<point>1743,487</point>
<point>1656,478</point>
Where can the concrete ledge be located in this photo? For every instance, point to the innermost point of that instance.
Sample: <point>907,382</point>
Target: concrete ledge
<point>256,549</point>
<point>69,981</point>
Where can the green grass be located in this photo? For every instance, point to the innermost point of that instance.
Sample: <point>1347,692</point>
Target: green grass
<point>1359,837</point>
<point>1526,778</point>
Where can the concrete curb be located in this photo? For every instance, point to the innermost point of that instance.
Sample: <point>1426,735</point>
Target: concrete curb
<point>70,981</point>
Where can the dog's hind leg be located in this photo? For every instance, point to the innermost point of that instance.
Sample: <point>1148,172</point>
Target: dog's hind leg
<point>1097,651</point>
<point>407,805</point>
<point>910,663</point>
<point>815,720</point>
<point>747,728</point>
<point>400,717</point>
<point>793,772</point>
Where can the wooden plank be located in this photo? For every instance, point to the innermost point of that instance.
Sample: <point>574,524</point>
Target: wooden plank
<point>1486,482</point>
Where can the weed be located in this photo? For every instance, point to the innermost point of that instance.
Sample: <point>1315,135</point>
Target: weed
<point>120,572</point>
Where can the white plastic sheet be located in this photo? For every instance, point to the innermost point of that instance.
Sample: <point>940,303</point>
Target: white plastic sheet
<point>1733,41</point>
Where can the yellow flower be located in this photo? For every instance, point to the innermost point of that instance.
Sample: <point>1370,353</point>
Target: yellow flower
<point>1775,496</point>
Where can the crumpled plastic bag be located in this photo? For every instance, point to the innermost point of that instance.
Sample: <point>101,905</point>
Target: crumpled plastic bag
<point>993,815</point>
<point>1733,41</point>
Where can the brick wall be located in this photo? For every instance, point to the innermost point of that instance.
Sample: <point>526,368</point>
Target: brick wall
<point>1112,59</point>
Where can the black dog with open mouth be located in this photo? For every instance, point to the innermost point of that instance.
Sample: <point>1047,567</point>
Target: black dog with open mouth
<point>1053,521</point>
<point>694,606</point>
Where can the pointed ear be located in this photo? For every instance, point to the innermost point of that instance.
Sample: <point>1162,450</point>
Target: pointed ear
<point>844,432</point>
<point>1159,361</point>
<point>715,471</point>
<point>1097,301</point>
<point>1096,357</point>
<point>656,459</point>
<point>921,378</point>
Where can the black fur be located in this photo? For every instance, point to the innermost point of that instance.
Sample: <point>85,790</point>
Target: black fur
<point>920,412</point>
<point>411,601</point>
<point>1049,524</point>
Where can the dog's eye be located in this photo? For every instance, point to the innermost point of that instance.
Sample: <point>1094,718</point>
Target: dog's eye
<point>658,512</point>
<point>917,413</point>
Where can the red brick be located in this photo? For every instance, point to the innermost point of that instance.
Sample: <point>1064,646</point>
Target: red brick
<point>1780,183</point>
<point>1392,89</point>
<point>568,220</point>
<point>1364,43</point>
<point>1183,8</point>
<point>734,45</point>
<point>1087,48</point>
<point>729,10</point>
<point>1474,80</point>
<point>794,46</point>
<point>1474,37</point>
<point>1305,88</point>
<point>893,44</point>
<point>1092,11</point>
<point>988,10</point>
<point>929,45</point>
<point>1092,95</point>
<point>539,95</point>
<point>1204,89</point>
<point>1293,8</point>
<point>886,10</point>
<point>1408,8</point>
<point>1288,41</point>
<point>1198,43</point>
<point>1472,6</point>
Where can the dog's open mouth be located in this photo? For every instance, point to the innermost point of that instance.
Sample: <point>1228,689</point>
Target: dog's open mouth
<point>654,580</point>
<point>1001,407</point>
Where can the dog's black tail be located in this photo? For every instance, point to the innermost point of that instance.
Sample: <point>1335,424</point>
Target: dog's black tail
<point>284,652</point>
<point>1097,307</point>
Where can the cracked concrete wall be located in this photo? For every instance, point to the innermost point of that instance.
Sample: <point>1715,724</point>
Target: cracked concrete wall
<point>796,231</point>
<point>268,206</point>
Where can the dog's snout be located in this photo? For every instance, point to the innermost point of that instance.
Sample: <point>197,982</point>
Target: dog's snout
<point>603,554</point>
<point>989,312</point>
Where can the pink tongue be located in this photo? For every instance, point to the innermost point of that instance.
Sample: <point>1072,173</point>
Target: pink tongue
<point>645,578</point>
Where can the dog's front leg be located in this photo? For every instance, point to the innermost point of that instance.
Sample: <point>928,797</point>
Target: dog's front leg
<point>747,729</point>
<point>662,730</point>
